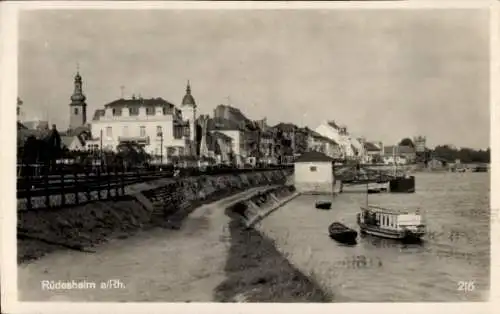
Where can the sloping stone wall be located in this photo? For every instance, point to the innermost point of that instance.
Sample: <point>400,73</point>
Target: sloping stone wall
<point>165,203</point>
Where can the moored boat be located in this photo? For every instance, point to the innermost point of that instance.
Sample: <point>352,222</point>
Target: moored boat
<point>323,205</point>
<point>363,187</point>
<point>342,233</point>
<point>392,224</point>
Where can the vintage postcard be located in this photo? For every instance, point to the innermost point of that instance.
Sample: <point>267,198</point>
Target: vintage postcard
<point>177,156</point>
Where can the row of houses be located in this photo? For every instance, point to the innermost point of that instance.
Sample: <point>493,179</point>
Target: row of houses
<point>168,132</point>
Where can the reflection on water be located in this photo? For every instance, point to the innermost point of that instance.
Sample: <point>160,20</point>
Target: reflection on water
<point>456,247</point>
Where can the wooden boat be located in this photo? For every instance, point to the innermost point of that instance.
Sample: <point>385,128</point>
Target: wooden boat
<point>323,205</point>
<point>363,187</point>
<point>392,224</point>
<point>341,233</point>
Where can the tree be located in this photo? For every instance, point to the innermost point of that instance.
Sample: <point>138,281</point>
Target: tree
<point>407,142</point>
<point>132,154</point>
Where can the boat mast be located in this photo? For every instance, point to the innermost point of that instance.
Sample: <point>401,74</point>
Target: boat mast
<point>395,163</point>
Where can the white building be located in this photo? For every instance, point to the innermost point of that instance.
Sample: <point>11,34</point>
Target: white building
<point>319,143</point>
<point>313,173</point>
<point>158,125</point>
<point>350,147</point>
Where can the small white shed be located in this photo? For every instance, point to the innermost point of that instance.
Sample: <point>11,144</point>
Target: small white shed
<point>313,173</point>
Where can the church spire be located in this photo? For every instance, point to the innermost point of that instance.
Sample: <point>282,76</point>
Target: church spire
<point>188,99</point>
<point>78,98</point>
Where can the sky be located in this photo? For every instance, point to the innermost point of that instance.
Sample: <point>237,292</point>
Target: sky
<point>385,74</point>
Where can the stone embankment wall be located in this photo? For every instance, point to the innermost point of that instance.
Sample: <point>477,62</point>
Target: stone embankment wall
<point>252,210</point>
<point>162,203</point>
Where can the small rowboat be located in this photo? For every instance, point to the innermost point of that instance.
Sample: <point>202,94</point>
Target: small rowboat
<point>323,205</point>
<point>341,233</point>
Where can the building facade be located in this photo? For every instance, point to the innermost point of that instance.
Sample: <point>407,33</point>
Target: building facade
<point>317,142</point>
<point>155,124</point>
<point>349,146</point>
<point>313,173</point>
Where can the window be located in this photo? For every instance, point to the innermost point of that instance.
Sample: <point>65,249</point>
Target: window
<point>150,111</point>
<point>181,151</point>
<point>75,110</point>
<point>134,111</point>
<point>159,131</point>
<point>142,131</point>
<point>313,168</point>
<point>109,131</point>
<point>117,111</point>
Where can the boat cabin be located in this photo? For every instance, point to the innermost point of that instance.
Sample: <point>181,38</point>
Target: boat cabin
<point>389,219</point>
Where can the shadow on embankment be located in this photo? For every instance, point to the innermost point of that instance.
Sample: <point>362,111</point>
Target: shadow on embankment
<point>257,272</point>
<point>83,227</point>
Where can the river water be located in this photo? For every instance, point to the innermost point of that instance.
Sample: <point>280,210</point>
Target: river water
<point>456,248</point>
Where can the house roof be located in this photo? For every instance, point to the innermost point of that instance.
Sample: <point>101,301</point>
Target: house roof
<point>223,125</point>
<point>138,102</point>
<point>333,124</point>
<point>286,127</point>
<point>318,136</point>
<point>235,113</point>
<point>222,136</point>
<point>314,156</point>
<point>371,147</point>
<point>67,140</point>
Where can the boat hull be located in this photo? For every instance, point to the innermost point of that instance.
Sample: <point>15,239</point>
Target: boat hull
<point>341,233</point>
<point>402,185</point>
<point>405,235</point>
<point>364,188</point>
<point>324,205</point>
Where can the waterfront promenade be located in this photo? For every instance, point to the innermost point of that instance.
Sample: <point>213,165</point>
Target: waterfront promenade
<point>158,265</point>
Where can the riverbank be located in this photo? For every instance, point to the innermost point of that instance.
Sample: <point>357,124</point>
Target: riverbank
<point>165,203</point>
<point>256,270</point>
<point>213,257</point>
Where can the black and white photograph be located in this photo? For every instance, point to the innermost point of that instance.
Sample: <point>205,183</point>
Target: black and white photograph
<point>320,155</point>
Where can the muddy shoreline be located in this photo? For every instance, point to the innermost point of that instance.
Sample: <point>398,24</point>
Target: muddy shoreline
<point>256,271</point>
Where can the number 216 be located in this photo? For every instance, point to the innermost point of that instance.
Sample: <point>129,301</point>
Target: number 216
<point>466,286</point>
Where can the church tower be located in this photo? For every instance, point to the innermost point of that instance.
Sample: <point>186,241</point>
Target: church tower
<point>78,107</point>
<point>188,109</point>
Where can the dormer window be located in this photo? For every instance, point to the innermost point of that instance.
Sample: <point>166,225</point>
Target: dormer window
<point>150,110</point>
<point>134,111</point>
<point>117,112</point>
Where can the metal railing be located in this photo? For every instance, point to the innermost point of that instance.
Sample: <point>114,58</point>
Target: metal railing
<point>90,186</point>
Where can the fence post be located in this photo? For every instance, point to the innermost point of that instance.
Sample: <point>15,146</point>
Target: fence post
<point>63,190</point>
<point>99,183</point>
<point>27,181</point>
<point>109,182</point>
<point>122,179</point>
<point>116,181</point>
<point>76,186</point>
<point>47,192</point>
<point>87,185</point>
